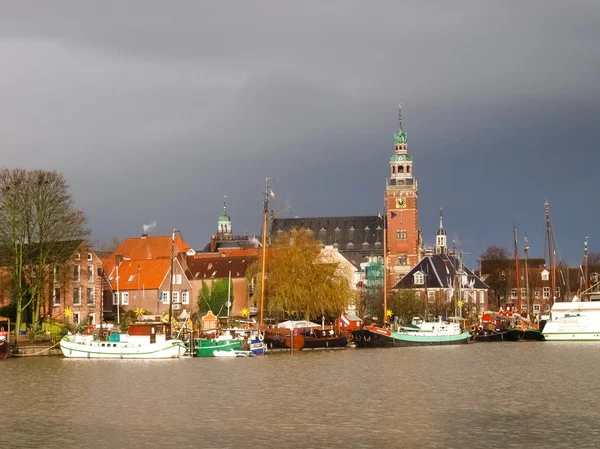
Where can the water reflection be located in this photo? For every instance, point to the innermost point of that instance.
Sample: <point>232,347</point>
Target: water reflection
<point>505,395</point>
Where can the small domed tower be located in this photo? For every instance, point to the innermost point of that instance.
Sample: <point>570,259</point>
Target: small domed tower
<point>224,223</point>
<point>441,237</point>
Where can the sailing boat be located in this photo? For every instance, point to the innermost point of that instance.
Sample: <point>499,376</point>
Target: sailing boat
<point>521,327</point>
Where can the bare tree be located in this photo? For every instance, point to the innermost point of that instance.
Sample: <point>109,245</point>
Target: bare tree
<point>38,224</point>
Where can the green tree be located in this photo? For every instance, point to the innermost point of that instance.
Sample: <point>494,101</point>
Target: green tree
<point>215,297</point>
<point>405,305</point>
<point>299,282</point>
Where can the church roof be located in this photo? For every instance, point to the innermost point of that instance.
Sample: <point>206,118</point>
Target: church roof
<point>441,231</point>
<point>355,233</point>
<point>440,271</point>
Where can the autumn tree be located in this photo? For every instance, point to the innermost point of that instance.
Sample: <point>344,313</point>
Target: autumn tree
<point>38,224</point>
<point>299,282</point>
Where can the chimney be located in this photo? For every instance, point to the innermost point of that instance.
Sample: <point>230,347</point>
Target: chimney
<point>144,235</point>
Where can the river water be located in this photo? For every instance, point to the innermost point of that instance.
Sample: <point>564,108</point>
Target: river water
<point>501,395</point>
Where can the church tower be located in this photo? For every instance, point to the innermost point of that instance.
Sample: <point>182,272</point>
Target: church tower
<point>401,195</point>
<point>441,237</point>
<point>224,223</point>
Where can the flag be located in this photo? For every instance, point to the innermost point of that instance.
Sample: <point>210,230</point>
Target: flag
<point>393,214</point>
<point>345,320</point>
<point>271,193</point>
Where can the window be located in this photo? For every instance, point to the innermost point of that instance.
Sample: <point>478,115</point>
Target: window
<point>76,317</point>
<point>536,308</point>
<point>513,293</point>
<point>177,279</point>
<point>545,275</point>
<point>185,297</point>
<point>77,256</point>
<point>523,292</point>
<point>430,297</point>
<point>76,296</point>
<point>481,297</point>
<point>90,257</point>
<point>547,308</point>
<point>546,292</point>
<point>175,297</point>
<point>90,296</point>
<point>90,273</point>
<point>165,297</point>
<point>56,297</point>
<point>402,260</point>
<point>131,278</point>
<point>537,294</point>
<point>401,235</point>
<point>92,318</point>
<point>557,292</point>
<point>115,299</point>
<point>419,279</point>
<point>125,298</point>
<point>76,272</point>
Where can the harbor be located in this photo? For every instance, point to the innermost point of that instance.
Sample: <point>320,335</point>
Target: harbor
<point>422,397</point>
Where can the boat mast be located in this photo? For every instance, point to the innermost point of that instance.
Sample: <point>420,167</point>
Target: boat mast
<point>170,335</point>
<point>264,250</point>
<point>529,305</point>
<point>517,274</point>
<point>585,260</point>
<point>550,253</point>
<point>385,271</point>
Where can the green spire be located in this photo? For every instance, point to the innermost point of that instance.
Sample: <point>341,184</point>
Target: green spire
<point>224,216</point>
<point>400,135</point>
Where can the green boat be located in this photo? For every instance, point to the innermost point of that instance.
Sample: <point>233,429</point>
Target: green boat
<point>206,347</point>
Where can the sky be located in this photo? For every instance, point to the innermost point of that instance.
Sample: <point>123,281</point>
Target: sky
<point>154,110</point>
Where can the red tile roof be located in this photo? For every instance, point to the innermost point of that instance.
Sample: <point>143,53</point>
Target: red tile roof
<point>145,248</point>
<point>142,274</point>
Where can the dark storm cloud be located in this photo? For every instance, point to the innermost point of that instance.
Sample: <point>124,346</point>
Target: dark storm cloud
<point>156,110</point>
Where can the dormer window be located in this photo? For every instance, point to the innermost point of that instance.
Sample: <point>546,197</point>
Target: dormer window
<point>419,278</point>
<point>545,275</point>
<point>90,257</point>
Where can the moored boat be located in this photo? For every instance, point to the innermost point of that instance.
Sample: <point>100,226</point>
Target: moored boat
<point>4,338</point>
<point>428,334</point>
<point>574,321</point>
<point>205,347</point>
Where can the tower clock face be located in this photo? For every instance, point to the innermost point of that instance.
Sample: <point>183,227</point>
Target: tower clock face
<point>401,203</point>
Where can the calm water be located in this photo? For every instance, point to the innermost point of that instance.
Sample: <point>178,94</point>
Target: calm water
<point>506,395</point>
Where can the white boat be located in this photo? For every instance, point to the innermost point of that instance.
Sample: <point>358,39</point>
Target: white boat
<point>573,321</point>
<point>127,347</point>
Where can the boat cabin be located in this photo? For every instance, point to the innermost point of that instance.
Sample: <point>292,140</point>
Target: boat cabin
<point>148,332</point>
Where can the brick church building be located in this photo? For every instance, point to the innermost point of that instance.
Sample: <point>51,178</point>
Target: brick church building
<point>361,238</point>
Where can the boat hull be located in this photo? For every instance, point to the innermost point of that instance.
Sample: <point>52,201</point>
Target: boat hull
<point>488,336</point>
<point>4,350</point>
<point>119,350</point>
<point>383,338</point>
<point>206,348</point>
<point>523,335</point>
<point>571,331</point>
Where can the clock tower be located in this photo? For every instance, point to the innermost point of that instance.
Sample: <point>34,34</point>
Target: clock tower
<point>401,200</point>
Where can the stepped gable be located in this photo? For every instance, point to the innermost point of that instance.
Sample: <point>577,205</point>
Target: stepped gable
<point>441,270</point>
<point>358,233</point>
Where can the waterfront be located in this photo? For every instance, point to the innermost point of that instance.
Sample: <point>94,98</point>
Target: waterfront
<point>505,395</point>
